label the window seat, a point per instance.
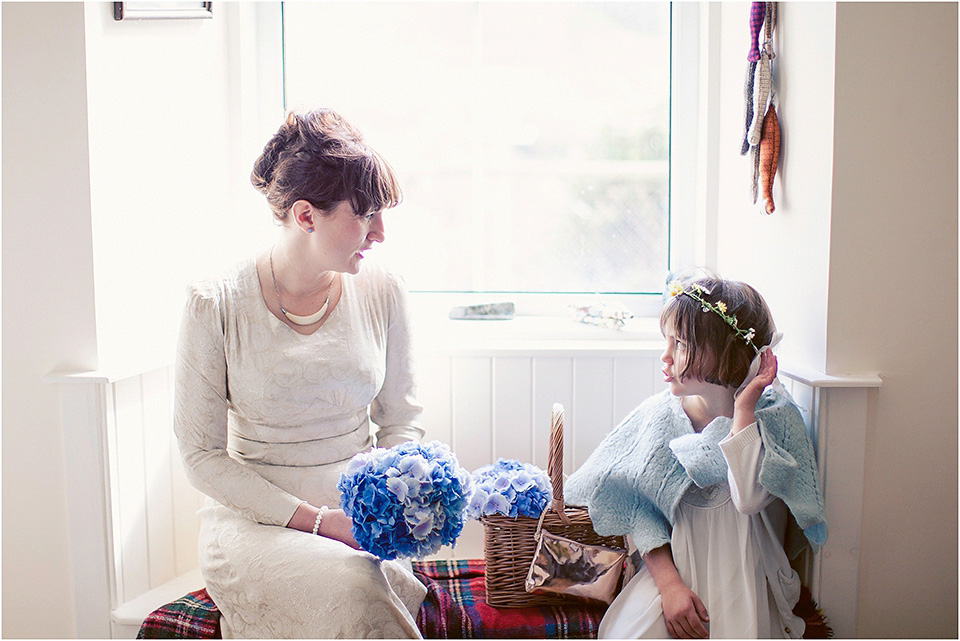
(454, 608)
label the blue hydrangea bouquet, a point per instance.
(510, 488)
(405, 501)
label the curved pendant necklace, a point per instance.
(293, 318)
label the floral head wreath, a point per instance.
(719, 308)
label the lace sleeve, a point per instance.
(200, 418)
(395, 409)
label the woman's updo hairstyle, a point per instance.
(715, 353)
(319, 157)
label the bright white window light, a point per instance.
(531, 139)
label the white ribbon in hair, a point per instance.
(755, 363)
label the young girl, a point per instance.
(709, 479)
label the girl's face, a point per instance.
(674, 360)
(342, 237)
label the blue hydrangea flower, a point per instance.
(510, 488)
(406, 501)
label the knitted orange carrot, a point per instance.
(769, 157)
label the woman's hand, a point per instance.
(334, 525)
(683, 612)
(746, 401)
(337, 525)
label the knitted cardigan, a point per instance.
(634, 480)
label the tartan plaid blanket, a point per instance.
(454, 608)
(193, 616)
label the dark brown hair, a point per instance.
(319, 157)
(715, 353)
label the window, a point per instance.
(531, 139)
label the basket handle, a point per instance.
(555, 462)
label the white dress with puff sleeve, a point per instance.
(266, 418)
(727, 545)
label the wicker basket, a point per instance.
(509, 544)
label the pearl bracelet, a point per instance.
(316, 524)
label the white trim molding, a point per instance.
(132, 515)
(838, 410)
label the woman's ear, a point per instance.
(303, 213)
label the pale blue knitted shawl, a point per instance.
(633, 481)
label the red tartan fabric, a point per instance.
(193, 616)
(455, 608)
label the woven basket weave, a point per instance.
(509, 544)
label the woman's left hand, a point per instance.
(337, 525)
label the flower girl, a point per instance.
(713, 480)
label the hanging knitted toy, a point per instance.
(763, 82)
(757, 13)
(763, 132)
(769, 156)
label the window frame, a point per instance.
(691, 204)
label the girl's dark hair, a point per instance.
(319, 157)
(714, 351)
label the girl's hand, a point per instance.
(765, 375)
(746, 401)
(684, 612)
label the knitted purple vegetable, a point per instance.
(758, 11)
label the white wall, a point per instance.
(48, 310)
(859, 263)
(784, 255)
(126, 151)
(171, 198)
(892, 300)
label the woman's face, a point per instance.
(342, 237)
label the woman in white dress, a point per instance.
(288, 366)
(712, 480)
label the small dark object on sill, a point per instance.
(490, 311)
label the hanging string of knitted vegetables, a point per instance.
(762, 128)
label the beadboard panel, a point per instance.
(137, 511)
(133, 515)
(472, 414)
(128, 449)
(512, 400)
(552, 383)
(499, 405)
(158, 491)
(157, 521)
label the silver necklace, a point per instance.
(293, 318)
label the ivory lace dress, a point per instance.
(266, 418)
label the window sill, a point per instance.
(531, 335)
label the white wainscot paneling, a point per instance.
(498, 398)
(837, 410)
(133, 515)
(497, 401)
